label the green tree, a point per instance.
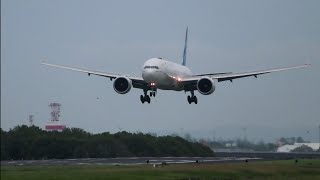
(23, 142)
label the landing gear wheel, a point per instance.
(195, 99)
(153, 93)
(147, 98)
(192, 99)
(189, 99)
(142, 99)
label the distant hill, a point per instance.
(23, 142)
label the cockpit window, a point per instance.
(154, 67)
(151, 67)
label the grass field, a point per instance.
(304, 169)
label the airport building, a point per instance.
(289, 148)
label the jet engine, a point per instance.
(206, 86)
(122, 85)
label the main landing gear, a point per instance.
(146, 97)
(192, 98)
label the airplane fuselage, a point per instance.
(164, 74)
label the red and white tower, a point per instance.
(54, 123)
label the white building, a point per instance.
(288, 148)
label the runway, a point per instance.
(221, 157)
(126, 161)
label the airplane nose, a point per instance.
(148, 75)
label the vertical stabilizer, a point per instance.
(184, 56)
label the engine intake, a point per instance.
(206, 86)
(122, 85)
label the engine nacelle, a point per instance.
(122, 85)
(206, 86)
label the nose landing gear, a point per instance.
(192, 98)
(153, 93)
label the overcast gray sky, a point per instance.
(118, 36)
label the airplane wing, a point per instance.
(137, 82)
(231, 76)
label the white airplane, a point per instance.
(161, 74)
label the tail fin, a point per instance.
(184, 56)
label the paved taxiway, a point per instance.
(127, 161)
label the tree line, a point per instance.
(23, 142)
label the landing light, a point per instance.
(177, 78)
